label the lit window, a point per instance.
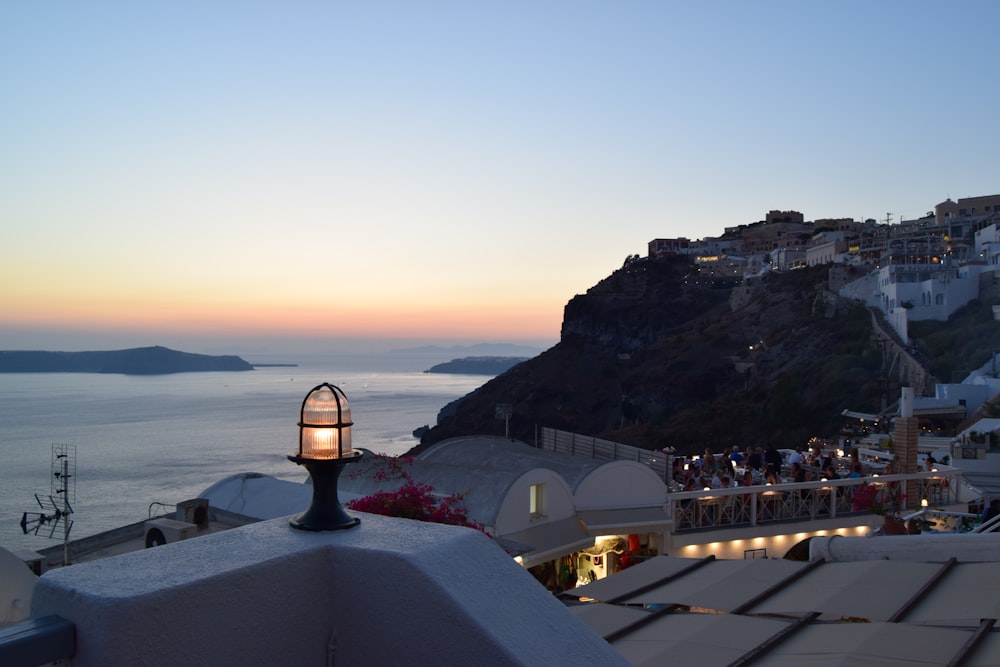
(536, 501)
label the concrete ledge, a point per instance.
(924, 548)
(390, 591)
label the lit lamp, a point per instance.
(324, 449)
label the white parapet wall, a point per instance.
(388, 592)
(923, 548)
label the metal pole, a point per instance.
(65, 490)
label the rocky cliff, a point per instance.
(657, 355)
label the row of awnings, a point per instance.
(780, 612)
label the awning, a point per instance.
(632, 578)
(624, 521)
(796, 613)
(870, 590)
(721, 639)
(853, 414)
(960, 601)
(876, 453)
(723, 585)
(550, 540)
(684, 639)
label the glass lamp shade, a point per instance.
(325, 424)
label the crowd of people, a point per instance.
(759, 465)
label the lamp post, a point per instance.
(324, 449)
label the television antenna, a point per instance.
(57, 508)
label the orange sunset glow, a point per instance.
(433, 172)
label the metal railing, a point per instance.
(743, 506)
(37, 641)
(587, 446)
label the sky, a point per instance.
(202, 174)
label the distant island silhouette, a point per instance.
(477, 365)
(155, 360)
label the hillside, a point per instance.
(137, 361)
(654, 355)
(955, 348)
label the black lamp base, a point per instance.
(325, 512)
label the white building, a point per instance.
(825, 248)
(538, 504)
(926, 278)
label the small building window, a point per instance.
(536, 501)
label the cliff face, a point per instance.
(655, 356)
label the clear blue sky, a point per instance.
(446, 170)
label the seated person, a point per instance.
(736, 456)
(771, 476)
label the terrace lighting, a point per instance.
(324, 449)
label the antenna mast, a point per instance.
(57, 506)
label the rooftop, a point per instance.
(781, 612)
(390, 591)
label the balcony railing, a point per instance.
(757, 505)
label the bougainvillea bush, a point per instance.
(412, 500)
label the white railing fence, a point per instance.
(774, 503)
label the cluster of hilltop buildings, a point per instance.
(915, 270)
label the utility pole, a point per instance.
(504, 411)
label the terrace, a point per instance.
(760, 505)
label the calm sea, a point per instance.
(145, 439)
